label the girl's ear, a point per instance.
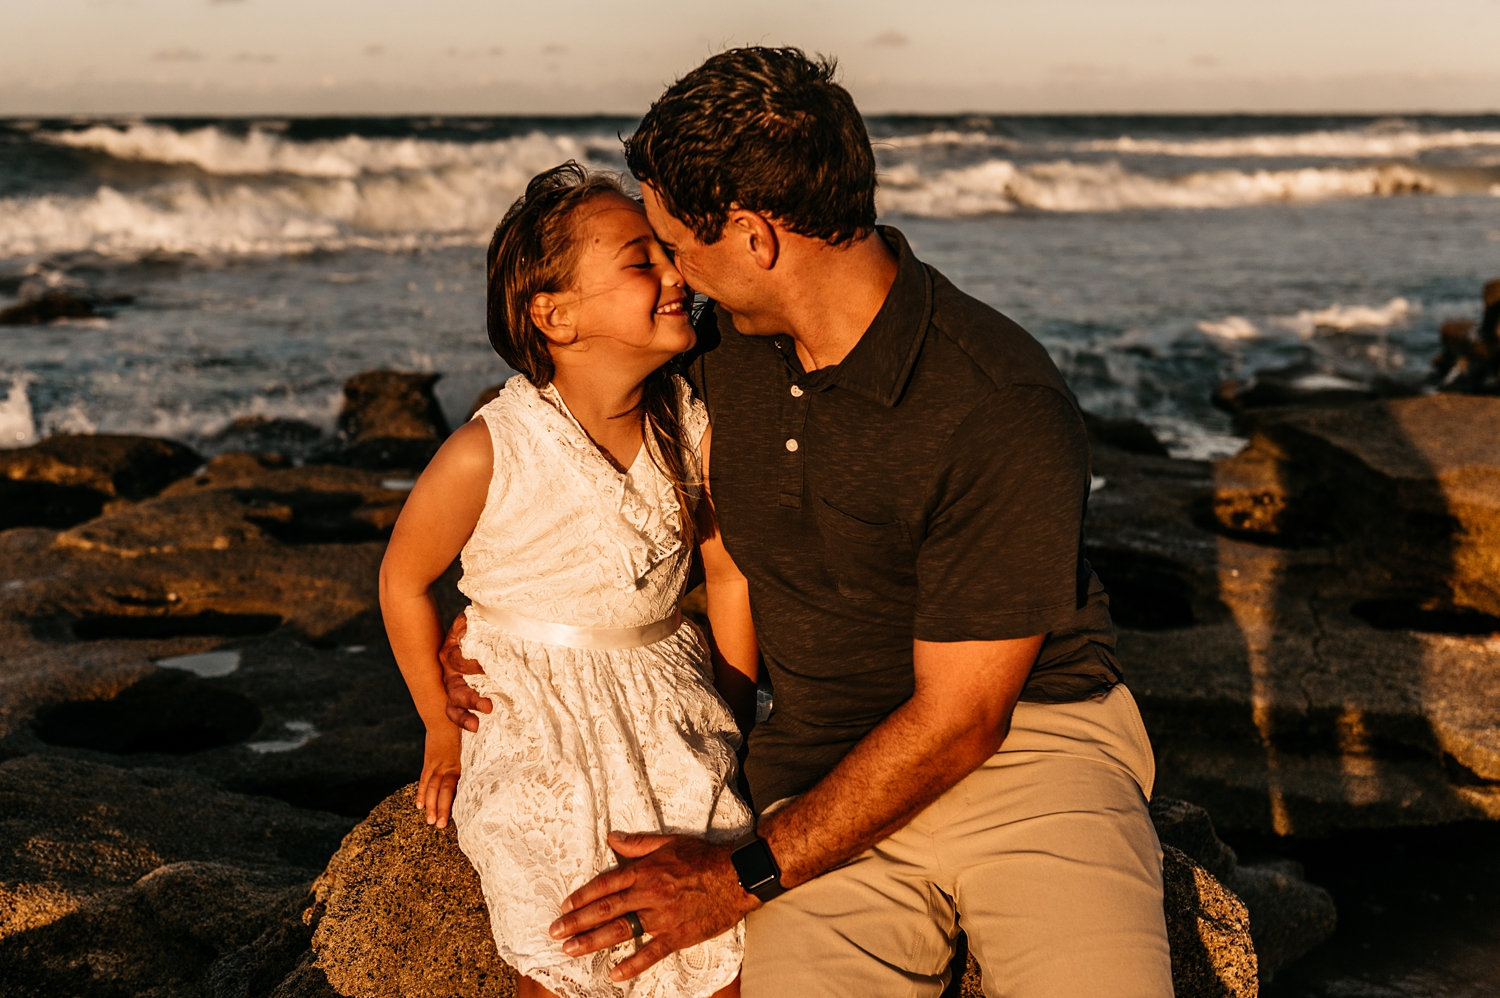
(551, 315)
(756, 234)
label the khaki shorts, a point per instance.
(1045, 856)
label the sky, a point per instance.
(214, 57)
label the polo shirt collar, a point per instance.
(881, 363)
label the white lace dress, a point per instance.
(582, 742)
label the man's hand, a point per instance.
(683, 889)
(462, 700)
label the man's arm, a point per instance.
(685, 890)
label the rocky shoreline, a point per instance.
(205, 746)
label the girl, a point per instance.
(573, 496)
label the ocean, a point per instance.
(267, 260)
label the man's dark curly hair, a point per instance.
(764, 129)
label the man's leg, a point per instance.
(875, 927)
(1055, 865)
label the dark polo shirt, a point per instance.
(931, 486)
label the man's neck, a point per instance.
(842, 292)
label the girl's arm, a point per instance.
(732, 644)
(436, 521)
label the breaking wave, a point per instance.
(317, 202)
(1309, 323)
(1371, 143)
(999, 185)
(263, 150)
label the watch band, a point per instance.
(756, 867)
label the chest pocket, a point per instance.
(866, 560)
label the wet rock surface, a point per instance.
(148, 881)
(1309, 627)
(1313, 626)
(51, 306)
(67, 479)
(390, 419)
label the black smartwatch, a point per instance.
(756, 868)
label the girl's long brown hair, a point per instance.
(534, 251)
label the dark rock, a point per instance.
(54, 305)
(294, 439)
(71, 828)
(390, 419)
(1208, 929)
(1288, 916)
(1310, 626)
(149, 882)
(1304, 385)
(399, 912)
(1414, 482)
(1469, 360)
(314, 713)
(68, 478)
(1130, 435)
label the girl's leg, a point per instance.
(528, 988)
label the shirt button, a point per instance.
(796, 391)
(792, 445)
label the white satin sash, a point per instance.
(593, 638)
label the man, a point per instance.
(901, 475)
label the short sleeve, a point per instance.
(1001, 554)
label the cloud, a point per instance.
(215, 3)
(1206, 62)
(554, 49)
(176, 53)
(375, 50)
(475, 53)
(891, 39)
(260, 57)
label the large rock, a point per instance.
(399, 914)
(293, 439)
(1310, 626)
(1288, 916)
(1415, 483)
(67, 479)
(390, 419)
(50, 306)
(149, 882)
(228, 627)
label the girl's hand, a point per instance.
(439, 780)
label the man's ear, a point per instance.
(551, 315)
(757, 234)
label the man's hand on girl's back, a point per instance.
(462, 700)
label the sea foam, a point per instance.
(1000, 185)
(1367, 143)
(17, 424)
(1351, 318)
(265, 151)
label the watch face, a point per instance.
(757, 869)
